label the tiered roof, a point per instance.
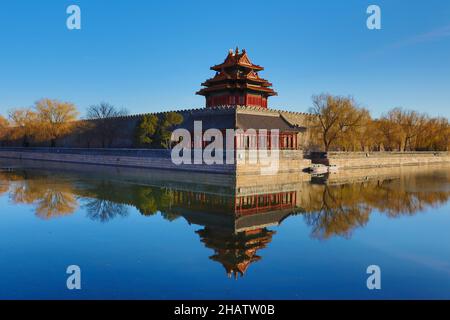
(236, 252)
(239, 73)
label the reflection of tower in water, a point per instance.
(235, 251)
(235, 218)
(234, 213)
(236, 227)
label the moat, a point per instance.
(145, 234)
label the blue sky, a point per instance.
(153, 55)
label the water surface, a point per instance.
(142, 234)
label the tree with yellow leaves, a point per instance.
(338, 120)
(409, 130)
(55, 119)
(23, 125)
(4, 128)
(342, 125)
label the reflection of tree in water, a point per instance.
(51, 197)
(150, 201)
(4, 183)
(104, 210)
(107, 200)
(146, 201)
(396, 197)
(7, 178)
(329, 209)
(103, 200)
(99, 203)
(55, 202)
(339, 209)
(336, 213)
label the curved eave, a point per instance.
(215, 81)
(224, 87)
(222, 66)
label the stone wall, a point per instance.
(207, 182)
(290, 161)
(357, 175)
(306, 120)
(281, 182)
(123, 129)
(349, 160)
(137, 158)
(300, 119)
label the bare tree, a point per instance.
(340, 124)
(105, 128)
(338, 118)
(407, 126)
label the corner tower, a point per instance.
(237, 82)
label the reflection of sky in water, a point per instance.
(137, 238)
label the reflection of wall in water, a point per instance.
(234, 205)
(236, 218)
